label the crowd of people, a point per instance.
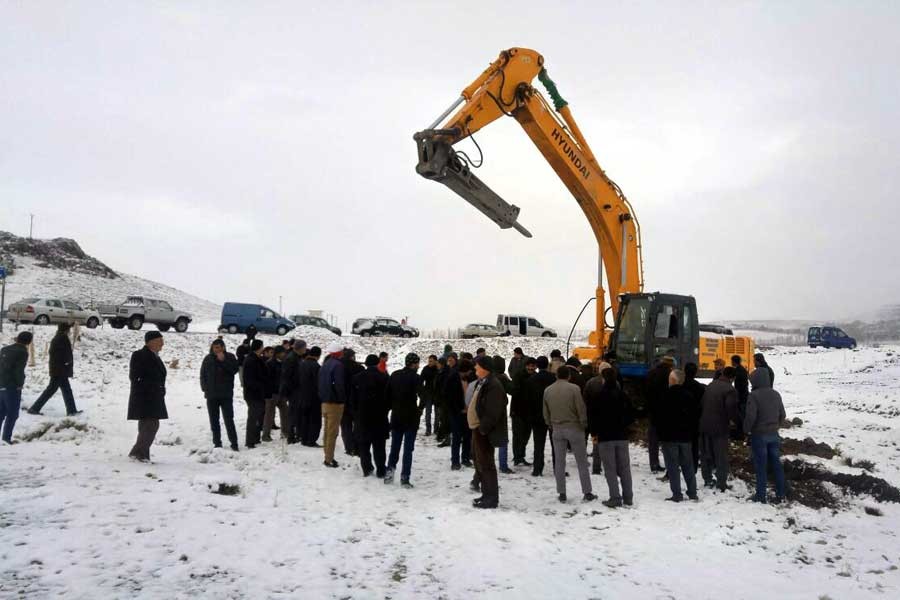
(584, 409)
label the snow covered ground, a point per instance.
(78, 519)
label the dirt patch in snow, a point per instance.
(808, 446)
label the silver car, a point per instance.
(478, 330)
(44, 311)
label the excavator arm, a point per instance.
(504, 89)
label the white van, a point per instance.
(522, 325)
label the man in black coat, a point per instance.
(535, 387)
(308, 393)
(255, 393)
(289, 389)
(274, 399)
(742, 386)
(677, 426)
(147, 401)
(426, 392)
(486, 417)
(368, 395)
(402, 392)
(61, 369)
(348, 420)
(520, 412)
(696, 390)
(13, 359)
(609, 415)
(217, 382)
(657, 384)
(718, 410)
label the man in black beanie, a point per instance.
(369, 401)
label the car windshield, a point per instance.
(630, 346)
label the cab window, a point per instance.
(70, 305)
(666, 322)
(54, 303)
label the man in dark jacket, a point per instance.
(369, 399)
(13, 359)
(677, 426)
(61, 369)
(217, 382)
(718, 410)
(308, 393)
(402, 392)
(765, 413)
(289, 389)
(520, 413)
(333, 395)
(426, 392)
(517, 363)
(274, 399)
(244, 349)
(486, 417)
(445, 420)
(742, 385)
(348, 420)
(255, 383)
(454, 397)
(499, 372)
(696, 390)
(609, 415)
(147, 401)
(657, 384)
(535, 386)
(759, 362)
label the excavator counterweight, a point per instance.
(439, 162)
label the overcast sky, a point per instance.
(242, 151)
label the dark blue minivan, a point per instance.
(237, 317)
(829, 337)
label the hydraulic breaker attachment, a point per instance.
(439, 162)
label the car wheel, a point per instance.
(813, 346)
(281, 330)
(135, 322)
(42, 320)
(365, 334)
(853, 346)
(181, 325)
(163, 326)
(546, 334)
(406, 334)
(826, 345)
(92, 323)
(232, 329)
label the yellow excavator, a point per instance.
(647, 326)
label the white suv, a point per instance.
(522, 325)
(44, 311)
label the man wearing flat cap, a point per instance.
(147, 401)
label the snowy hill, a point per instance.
(59, 268)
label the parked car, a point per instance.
(478, 330)
(137, 310)
(522, 325)
(44, 311)
(383, 326)
(829, 337)
(314, 322)
(238, 316)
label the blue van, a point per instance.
(829, 337)
(237, 317)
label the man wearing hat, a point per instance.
(147, 401)
(13, 359)
(402, 393)
(333, 396)
(486, 417)
(367, 397)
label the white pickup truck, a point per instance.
(137, 310)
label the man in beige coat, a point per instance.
(566, 415)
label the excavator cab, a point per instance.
(650, 326)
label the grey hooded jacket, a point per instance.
(765, 410)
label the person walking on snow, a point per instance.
(402, 393)
(61, 370)
(13, 359)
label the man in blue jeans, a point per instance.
(402, 394)
(13, 359)
(765, 412)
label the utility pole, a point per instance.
(31, 227)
